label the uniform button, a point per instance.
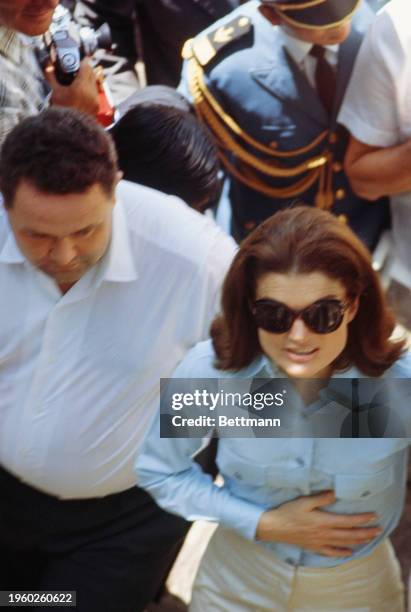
(249, 225)
(343, 218)
(333, 138)
(366, 494)
(244, 21)
(337, 166)
(238, 475)
(340, 194)
(300, 461)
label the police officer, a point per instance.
(268, 80)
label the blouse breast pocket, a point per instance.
(240, 469)
(242, 477)
(263, 482)
(363, 486)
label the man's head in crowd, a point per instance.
(321, 22)
(31, 17)
(161, 144)
(58, 173)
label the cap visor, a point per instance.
(327, 15)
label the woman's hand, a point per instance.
(303, 523)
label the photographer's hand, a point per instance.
(303, 523)
(82, 94)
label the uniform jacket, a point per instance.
(257, 84)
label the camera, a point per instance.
(66, 43)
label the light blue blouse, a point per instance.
(367, 475)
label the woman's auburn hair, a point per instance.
(303, 240)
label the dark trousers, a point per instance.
(114, 551)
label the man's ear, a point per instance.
(270, 13)
(119, 176)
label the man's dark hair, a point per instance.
(161, 144)
(59, 151)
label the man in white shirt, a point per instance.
(103, 291)
(377, 112)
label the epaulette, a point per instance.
(206, 46)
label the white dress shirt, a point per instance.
(377, 109)
(300, 52)
(80, 372)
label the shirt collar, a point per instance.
(262, 368)
(299, 49)
(266, 369)
(10, 252)
(12, 44)
(117, 264)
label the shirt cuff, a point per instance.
(242, 516)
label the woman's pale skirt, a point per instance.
(236, 575)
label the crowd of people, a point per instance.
(294, 118)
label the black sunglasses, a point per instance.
(321, 317)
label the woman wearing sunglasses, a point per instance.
(303, 522)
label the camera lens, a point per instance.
(68, 61)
